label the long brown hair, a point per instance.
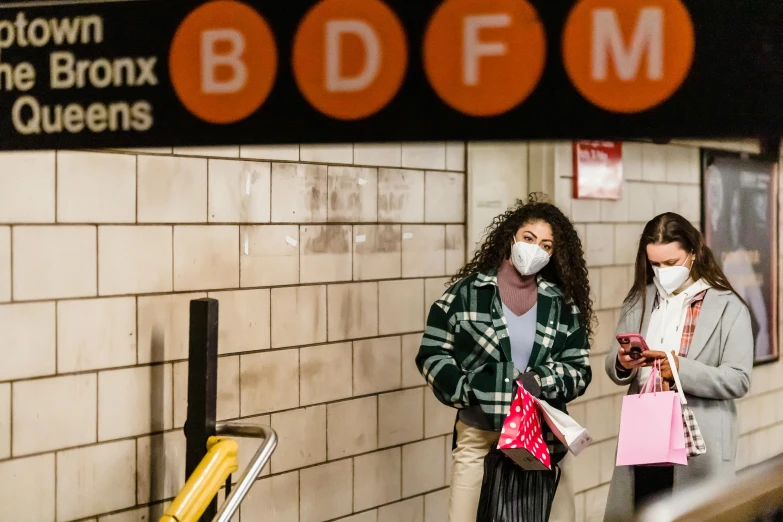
(673, 228)
(567, 268)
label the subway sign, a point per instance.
(139, 73)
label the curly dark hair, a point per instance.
(567, 268)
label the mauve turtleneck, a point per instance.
(519, 293)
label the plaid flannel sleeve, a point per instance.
(567, 373)
(435, 359)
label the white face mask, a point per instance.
(673, 277)
(528, 258)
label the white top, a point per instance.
(664, 333)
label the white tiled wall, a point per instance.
(659, 178)
(324, 260)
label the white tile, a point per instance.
(455, 156)
(27, 187)
(245, 317)
(55, 413)
(299, 193)
(325, 373)
(5, 264)
(270, 152)
(400, 417)
(438, 418)
(653, 162)
(302, 438)
(377, 252)
(601, 421)
(96, 333)
(436, 506)
(444, 197)
(226, 151)
(455, 248)
(54, 262)
(600, 245)
(28, 340)
(28, 493)
(595, 504)
(228, 388)
(326, 491)
(375, 365)
(564, 195)
(107, 480)
(683, 165)
(690, 202)
(5, 421)
(400, 196)
(586, 470)
(642, 202)
(585, 210)
(367, 516)
(433, 290)
(616, 283)
(410, 373)
(411, 510)
(352, 311)
(269, 255)
(666, 198)
(96, 187)
(626, 243)
(134, 259)
(401, 306)
(616, 211)
(326, 153)
(298, 316)
(239, 191)
(378, 154)
(352, 427)
(424, 155)
(423, 250)
(423, 467)
(134, 401)
(164, 322)
(325, 253)
(353, 194)
(377, 479)
(275, 499)
(632, 161)
(206, 257)
(269, 381)
(160, 466)
(172, 189)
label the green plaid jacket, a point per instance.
(465, 354)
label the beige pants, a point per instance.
(467, 473)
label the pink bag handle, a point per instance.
(651, 380)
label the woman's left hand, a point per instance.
(666, 371)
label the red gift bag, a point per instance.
(522, 438)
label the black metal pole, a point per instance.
(202, 386)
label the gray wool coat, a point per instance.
(715, 374)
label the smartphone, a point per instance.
(634, 344)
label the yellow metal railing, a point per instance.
(215, 468)
(209, 476)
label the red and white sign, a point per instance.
(598, 169)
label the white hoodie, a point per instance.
(665, 333)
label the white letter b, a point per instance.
(210, 61)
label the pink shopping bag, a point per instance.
(522, 438)
(651, 427)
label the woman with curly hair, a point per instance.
(518, 314)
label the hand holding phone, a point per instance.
(632, 345)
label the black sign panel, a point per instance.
(159, 73)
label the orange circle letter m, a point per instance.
(223, 61)
(626, 56)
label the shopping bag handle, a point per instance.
(676, 375)
(651, 380)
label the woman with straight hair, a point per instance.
(682, 303)
(518, 314)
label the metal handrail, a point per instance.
(753, 496)
(251, 473)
